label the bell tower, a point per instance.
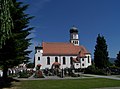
(74, 36)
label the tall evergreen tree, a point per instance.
(101, 58)
(6, 23)
(117, 62)
(15, 50)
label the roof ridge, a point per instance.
(55, 42)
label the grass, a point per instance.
(69, 84)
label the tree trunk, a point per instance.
(5, 70)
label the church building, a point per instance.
(63, 54)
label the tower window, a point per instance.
(39, 58)
(64, 61)
(48, 60)
(73, 42)
(56, 59)
(76, 42)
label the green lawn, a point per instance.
(69, 84)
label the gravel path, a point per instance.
(102, 76)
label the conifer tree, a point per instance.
(101, 58)
(15, 50)
(117, 62)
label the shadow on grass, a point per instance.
(7, 82)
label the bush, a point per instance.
(114, 70)
(24, 74)
(93, 70)
(39, 74)
(75, 75)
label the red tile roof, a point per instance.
(57, 48)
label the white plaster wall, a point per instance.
(77, 65)
(43, 61)
(38, 54)
(90, 60)
(85, 62)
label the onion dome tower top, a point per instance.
(73, 29)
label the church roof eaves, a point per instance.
(61, 49)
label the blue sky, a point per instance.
(54, 18)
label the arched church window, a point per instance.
(48, 60)
(88, 59)
(56, 59)
(71, 60)
(82, 59)
(39, 58)
(64, 61)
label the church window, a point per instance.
(39, 58)
(82, 59)
(64, 61)
(88, 59)
(56, 59)
(48, 60)
(83, 64)
(71, 60)
(77, 59)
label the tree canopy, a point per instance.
(117, 62)
(101, 58)
(15, 50)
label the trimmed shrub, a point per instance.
(39, 74)
(93, 70)
(24, 74)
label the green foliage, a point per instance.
(6, 22)
(101, 58)
(30, 65)
(114, 70)
(15, 50)
(38, 74)
(117, 62)
(24, 74)
(93, 70)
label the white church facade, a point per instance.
(63, 55)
